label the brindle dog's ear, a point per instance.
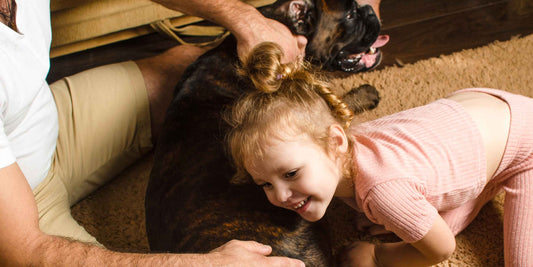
(298, 15)
(364, 97)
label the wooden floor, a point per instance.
(418, 29)
(427, 28)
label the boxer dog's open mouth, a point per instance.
(349, 61)
(350, 41)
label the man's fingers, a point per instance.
(298, 53)
(253, 254)
(253, 246)
(302, 42)
(259, 248)
(285, 262)
(265, 250)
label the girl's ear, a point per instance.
(338, 139)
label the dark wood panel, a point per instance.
(446, 34)
(397, 13)
(418, 28)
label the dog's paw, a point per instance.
(364, 97)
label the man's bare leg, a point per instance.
(161, 73)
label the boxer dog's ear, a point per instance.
(298, 15)
(296, 11)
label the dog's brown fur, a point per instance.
(190, 204)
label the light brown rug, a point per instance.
(115, 213)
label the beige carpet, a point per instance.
(115, 213)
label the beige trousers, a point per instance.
(104, 126)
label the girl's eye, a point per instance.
(266, 186)
(291, 174)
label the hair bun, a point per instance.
(263, 66)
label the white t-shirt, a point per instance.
(28, 115)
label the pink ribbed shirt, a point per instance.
(417, 163)
(430, 160)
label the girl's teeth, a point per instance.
(300, 204)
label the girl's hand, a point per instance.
(364, 225)
(359, 254)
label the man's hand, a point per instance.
(248, 25)
(249, 253)
(268, 30)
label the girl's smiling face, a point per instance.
(297, 174)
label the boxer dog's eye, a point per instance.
(350, 16)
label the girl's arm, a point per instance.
(436, 246)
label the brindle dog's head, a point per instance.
(342, 35)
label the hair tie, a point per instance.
(279, 76)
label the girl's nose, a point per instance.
(283, 194)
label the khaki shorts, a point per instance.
(104, 126)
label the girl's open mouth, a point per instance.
(302, 205)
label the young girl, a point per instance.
(423, 173)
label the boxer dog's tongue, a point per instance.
(369, 57)
(381, 41)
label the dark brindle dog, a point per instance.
(191, 206)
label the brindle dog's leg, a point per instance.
(364, 97)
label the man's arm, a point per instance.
(248, 25)
(22, 243)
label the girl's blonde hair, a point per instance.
(290, 99)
